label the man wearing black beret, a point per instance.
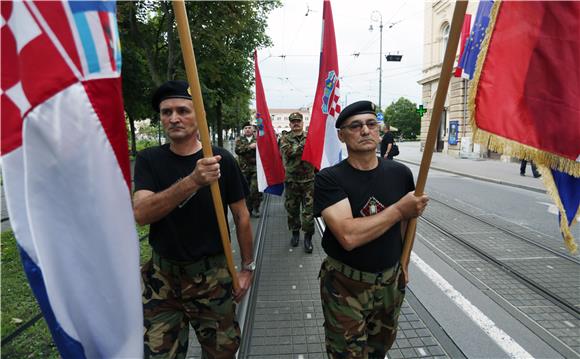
(366, 202)
(187, 282)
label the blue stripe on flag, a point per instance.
(473, 45)
(83, 6)
(67, 346)
(569, 191)
(88, 43)
(117, 45)
(276, 189)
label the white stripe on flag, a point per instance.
(262, 181)
(331, 153)
(101, 45)
(77, 209)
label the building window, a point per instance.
(444, 38)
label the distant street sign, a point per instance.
(394, 57)
(380, 116)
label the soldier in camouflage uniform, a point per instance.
(365, 202)
(246, 151)
(299, 183)
(186, 282)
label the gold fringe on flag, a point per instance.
(553, 192)
(544, 160)
(505, 145)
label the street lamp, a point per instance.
(377, 16)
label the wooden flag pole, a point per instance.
(444, 78)
(193, 79)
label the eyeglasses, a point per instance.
(356, 126)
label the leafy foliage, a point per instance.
(403, 115)
(224, 35)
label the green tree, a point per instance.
(224, 36)
(403, 116)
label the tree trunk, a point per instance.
(151, 64)
(133, 140)
(219, 124)
(170, 42)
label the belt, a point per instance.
(387, 276)
(189, 268)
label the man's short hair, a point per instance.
(170, 89)
(295, 116)
(246, 124)
(355, 108)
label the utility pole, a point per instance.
(380, 19)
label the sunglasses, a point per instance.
(356, 126)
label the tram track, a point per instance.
(559, 262)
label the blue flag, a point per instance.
(566, 193)
(473, 45)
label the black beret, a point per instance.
(170, 89)
(355, 108)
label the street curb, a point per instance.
(486, 179)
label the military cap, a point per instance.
(295, 116)
(170, 89)
(246, 124)
(355, 108)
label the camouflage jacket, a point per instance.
(246, 155)
(291, 148)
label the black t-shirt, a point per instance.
(368, 192)
(190, 232)
(387, 138)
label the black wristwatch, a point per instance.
(250, 267)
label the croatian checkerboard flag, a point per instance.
(323, 147)
(66, 173)
(269, 167)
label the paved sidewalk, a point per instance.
(507, 173)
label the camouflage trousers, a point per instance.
(255, 198)
(361, 309)
(299, 205)
(177, 295)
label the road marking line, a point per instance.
(525, 258)
(569, 324)
(501, 338)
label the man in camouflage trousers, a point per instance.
(366, 202)
(246, 151)
(299, 183)
(186, 282)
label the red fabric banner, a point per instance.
(529, 85)
(464, 36)
(322, 147)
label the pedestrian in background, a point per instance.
(365, 202)
(186, 282)
(298, 184)
(387, 143)
(245, 148)
(523, 165)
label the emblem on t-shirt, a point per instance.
(373, 206)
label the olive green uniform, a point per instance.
(299, 183)
(247, 161)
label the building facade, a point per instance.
(280, 117)
(454, 135)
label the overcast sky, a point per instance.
(290, 67)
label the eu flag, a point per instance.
(473, 45)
